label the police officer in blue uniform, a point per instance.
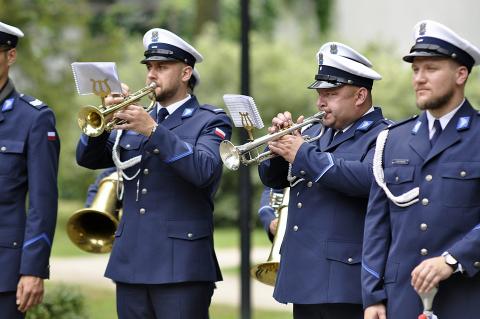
(423, 223)
(28, 164)
(329, 182)
(163, 260)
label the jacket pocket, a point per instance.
(460, 184)
(188, 230)
(11, 157)
(344, 252)
(398, 175)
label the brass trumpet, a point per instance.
(267, 272)
(92, 229)
(233, 155)
(91, 119)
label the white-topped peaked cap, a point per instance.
(163, 45)
(9, 35)
(335, 70)
(435, 39)
(345, 51)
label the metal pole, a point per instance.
(245, 180)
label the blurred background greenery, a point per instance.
(59, 32)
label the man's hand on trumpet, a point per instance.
(137, 119)
(287, 146)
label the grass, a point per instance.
(63, 247)
(100, 304)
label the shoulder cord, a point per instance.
(121, 166)
(404, 200)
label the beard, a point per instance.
(436, 103)
(167, 94)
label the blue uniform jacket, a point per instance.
(266, 213)
(166, 233)
(446, 217)
(321, 250)
(29, 153)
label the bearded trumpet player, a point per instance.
(329, 182)
(163, 254)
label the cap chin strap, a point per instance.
(121, 166)
(404, 200)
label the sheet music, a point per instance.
(96, 77)
(242, 104)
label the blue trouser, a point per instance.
(8, 306)
(166, 301)
(328, 311)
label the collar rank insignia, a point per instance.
(187, 112)
(7, 105)
(416, 127)
(463, 123)
(333, 48)
(364, 126)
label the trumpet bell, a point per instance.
(91, 120)
(92, 230)
(230, 155)
(266, 272)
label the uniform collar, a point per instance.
(6, 91)
(444, 119)
(174, 106)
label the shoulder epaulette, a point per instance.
(212, 108)
(393, 125)
(36, 103)
(388, 122)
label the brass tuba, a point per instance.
(92, 229)
(91, 119)
(267, 272)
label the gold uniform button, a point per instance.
(156, 151)
(309, 184)
(350, 260)
(423, 251)
(3, 149)
(142, 211)
(425, 201)
(463, 173)
(145, 171)
(299, 205)
(428, 178)
(189, 235)
(476, 264)
(423, 226)
(295, 228)
(144, 191)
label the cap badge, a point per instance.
(320, 59)
(155, 36)
(333, 48)
(423, 28)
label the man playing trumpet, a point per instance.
(329, 182)
(163, 261)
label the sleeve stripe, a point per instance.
(370, 271)
(477, 227)
(37, 238)
(266, 207)
(181, 155)
(330, 165)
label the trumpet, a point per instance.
(233, 155)
(91, 119)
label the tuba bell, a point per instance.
(92, 229)
(267, 272)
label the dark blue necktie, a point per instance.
(438, 131)
(335, 135)
(162, 114)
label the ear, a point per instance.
(11, 56)
(361, 96)
(187, 73)
(461, 75)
